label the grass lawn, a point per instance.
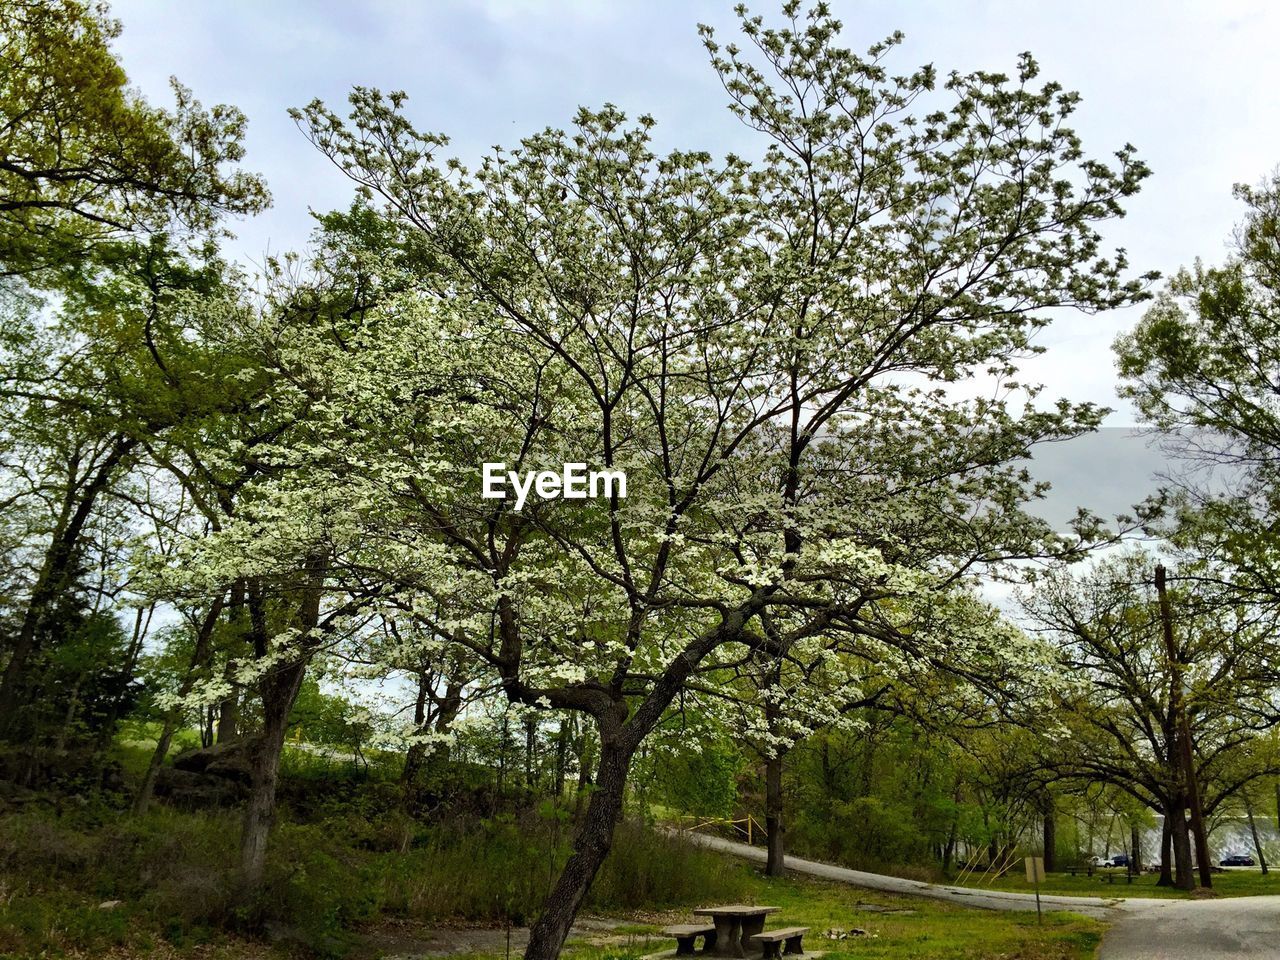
(1242, 882)
(63, 924)
(925, 930)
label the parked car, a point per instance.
(1119, 860)
(1237, 860)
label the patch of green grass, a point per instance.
(1232, 883)
(932, 930)
(923, 930)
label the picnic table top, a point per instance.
(734, 910)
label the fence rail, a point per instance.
(747, 825)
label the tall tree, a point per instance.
(1118, 717)
(95, 185)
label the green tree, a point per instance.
(100, 197)
(84, 159)
(1117, 724)
(1201, 368)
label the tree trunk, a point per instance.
(586, 760)
(949, 848)
(562, 759)
(1184, 877)
(775, 866)
(198, 657)
(1253, 829)
(69, 715)
(413, 758)
(141, 624)
(590, 847)
(1166, 851)
(530, 749)
(229, 712)
(1135, 858)
(145, 792)
(279, 691)
(1050, 836)
(1183, 740)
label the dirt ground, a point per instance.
(409, 942)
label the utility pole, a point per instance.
(1178, 706)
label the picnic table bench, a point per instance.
(687, 934)
(770, 939)
(1104, 873)
(1111, 875)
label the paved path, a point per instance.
(965, 896)
(1141, 928)
(1197, 930)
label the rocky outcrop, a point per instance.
(232, 761)
(216, 776)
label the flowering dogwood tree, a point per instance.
(764, 348)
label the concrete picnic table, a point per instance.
(735, 923)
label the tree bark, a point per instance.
(562, 760)
(775, 866)
(1178, 714)
(425, 765)
(229, 714)
(530, 750)
(949, 848)
(1184, 877)
(1050, 836)
(1253, 829)
(590, 847)
(1166, 851)
(413, 758)
(586, 760)
(279, 691)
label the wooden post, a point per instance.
(1035, 873)
(1178, 707)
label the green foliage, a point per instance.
(702, 781)
(328, 719)
(168, 868)
(1200, 367)
(86, 158)
(81, 681)
(883, 798)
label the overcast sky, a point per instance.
(1194, 85)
